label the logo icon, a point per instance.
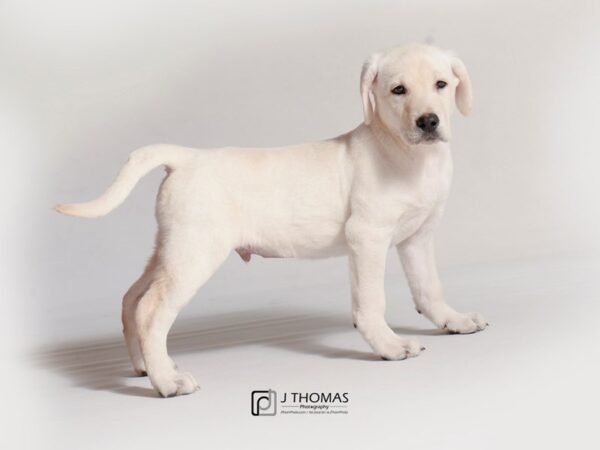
(264, 403)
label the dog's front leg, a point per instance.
(418, 259)
(367, 268)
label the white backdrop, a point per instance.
(85, 83)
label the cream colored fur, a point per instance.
(378, 186)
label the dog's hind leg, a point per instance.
(130, 303)
(184, 264)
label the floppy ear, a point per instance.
(367, 78)
(464, 93)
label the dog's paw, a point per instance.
(384, 342)
(175, 384)
(395, 348)
(466, 323)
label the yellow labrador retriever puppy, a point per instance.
(380, 185)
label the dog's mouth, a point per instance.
(417, 138)
(430, 137)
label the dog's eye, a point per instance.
(441, 84)
(399, 90)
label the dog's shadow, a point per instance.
(104, 365)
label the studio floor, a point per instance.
(528, 381)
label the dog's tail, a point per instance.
(140, 162)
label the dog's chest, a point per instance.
(419, 198)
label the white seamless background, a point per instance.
(85, 83)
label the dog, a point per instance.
(383, 184)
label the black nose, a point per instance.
(428, 122)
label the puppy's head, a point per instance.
(414, 89)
